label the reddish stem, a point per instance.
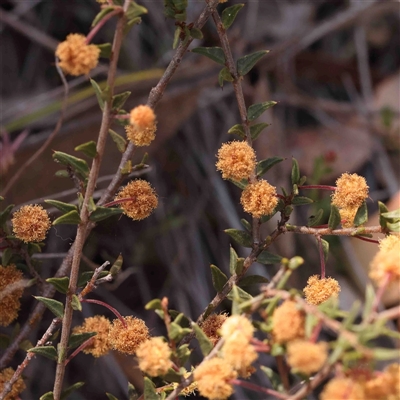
(366, 239)
(79, 349)
(315, 332)
(381, 290)
(321, 256)
(322, 187)
(257, 388)
(93, 32)
(280, 196)
(119, 201)
(112, 309)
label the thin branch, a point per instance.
(306, 230)
(91, 285)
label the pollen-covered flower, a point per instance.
(31, 223)
(10, 303)
(343, 389)
(306, 357)
(154, 356)
(127, 340)
(77, 57)
(101, 325)
(143, 199)
(385, 385)
(351, 191)
(211, 326)
(239, 353)
(212, 377)
(287, 322)
(259, 198)
(347, 216)
(387, 260)
(140, 137)
(18, 387)
(319, 290)
(237, 324)
(187, 391)
(236, 160)
(142, 117)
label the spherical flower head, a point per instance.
(18, 387)
(259, 198)
(211, 326)
(154, 356)
(76, 57)
(236, 160)
(143, 199)
(212, 377)
(10, 303)
(127, 339)
(140, 137)
(239, 353)
(287, 322)
(386, 261)
(319, 290)
(142, 117)
(101, 325)
(343, 389)
(385, 385)
(237, 324)
(351, 191)
(306, 357)
(31, 223)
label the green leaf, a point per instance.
(176, 332)
(229, 15)
(301, 201)
(119, 100)
(256, 129)
(264, 165)
(273, 377)
(70, 389)
(105, 50)
(239, 295)
(172, 376)
(325, 248)
(255, 110)
(61, 284)
(196, 33)
(45, 351)
(132, 392)
(4, 215)
(214, 53)
(177, 36)
(64, 207)
(382, 209)
(369, 301)
(76, 339)
(246, 63)
(269, 258)
(183, 353)
(232, 260)
(253, 280)
(85, 277)
(241, 237)
(218, 278)
(361, 215)
(54, 306)
(237, 130)
(224, 75)
(149, 390)
(128, 26)
(99, 93)
(70, 218)
(6, 257)
(205, 344)
(315, 220)
(104, 212)
(76, 163)
(135, 10)
(75, 303)
(88, 148)
(394, 227)
(47, 396)
(118, 140)
(246, 224)
(380, 353)
(101, 15)
(154, 304)
(295, 172)
(395, 214)
(295, 262)
(117, 265)
(110, 396)
(334, 217)
(180, 319)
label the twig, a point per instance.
(79, 349)
(112, 309)
(12, 287)
(257, 388)
(91, 285)
(321, 255)
(46, 144)
(391, 313)
(334, 232)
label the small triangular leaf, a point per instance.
(269, 258)
(64, 207)
(395, 214)
(246, 63)
(99, 93)
(224, 75)
(301, 201)
(264, 165)
(214, 53)
(70, 218)
(75, 303)
(47, 396)
(315, 220)
(118, 140)
(237, 130)
(334, 217)
(104, 212)
(253, 280)
(256, 129)
(361, 215)
(88, 148)
(205, 344)
(255, 110)
(69, 390)
(61, 284)
(76, 163)
(232, 260)
(45, 351)
(229, 15)
(119, 100)
(154, 304)
(105, 50)
(76, 339)
(149, 390)
(295, 172)
(101, 15)
(218, 278)
(56, 307)
(241, 237)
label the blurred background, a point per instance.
(333, 68)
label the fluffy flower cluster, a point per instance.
(143, 199)
(287, 322)
(128, 339)
(211, 326)
(319, 290)
(76, 57)
(259, 198)
(31, 223)
(351, 191)
(236, 160)
(10, 303)
(154, 356)
(307, 357)
(101, 325)
(213, 376)
(142, 130)
(341, 389)
(387, 260)
(17, 388)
